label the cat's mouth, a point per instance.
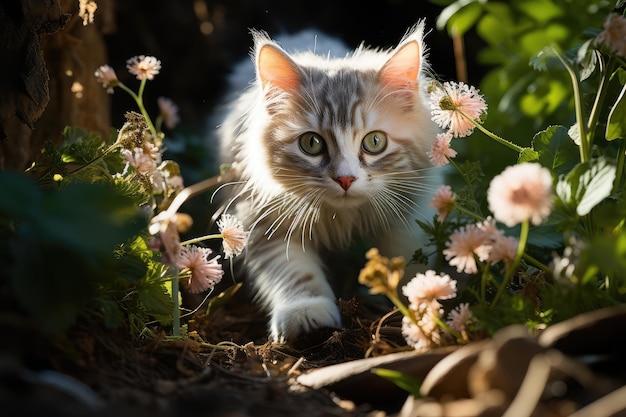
(342, 198)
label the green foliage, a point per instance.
(615, 128)
(73, 241)
(514, 32)
(137, 293)
(554, 149)
(407, 383)
(514, 309)
(585, 186)
(60, 245)
(78, 149)
(550, 75)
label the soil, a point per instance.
(223, 366)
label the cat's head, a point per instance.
(346, 130)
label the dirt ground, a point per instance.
(94, 371)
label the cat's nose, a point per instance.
(345, 182)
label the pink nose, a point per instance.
(345, 182)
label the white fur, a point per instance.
(292, 218)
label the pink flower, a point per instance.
(614, 34)
(169, 112)
(460, 317)
(489, 228)
(429, 286)
(455, 106)
(166, 237)
(503, 248)
(443, 201)
(464, 243)
(205, 273)
(233, 235)
(520, 193)
(153, 151)
(175, 181)
(107, 77)
(143, 163)
(423, 335)
(143, 67)
(441, 152)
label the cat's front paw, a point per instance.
(302, 315)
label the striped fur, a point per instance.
(294, 203)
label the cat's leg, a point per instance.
(291, 284)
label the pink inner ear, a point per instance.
(276, 69)
(402, 69)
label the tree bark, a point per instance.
(46, 79)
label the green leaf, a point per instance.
(155, 299)
(587, 59)
(464, 19)
(545, 236)
(80, 146)
(62, 249)
(541, 11)
(112, 314)
(545, 58)
(491, 29)
(21, 197)
(451, 12)
(556, 150)
(131, 267)
(401, 380)
(527, 155)
(608, 252)
(616, 124)
(586, 185)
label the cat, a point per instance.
(326, 150)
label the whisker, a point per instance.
(312, 214)
(299, 215)
(227, 184)
(381, 215)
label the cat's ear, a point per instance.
(276, 69)
(401, 71)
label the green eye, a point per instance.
(312, 144)
(374, 142)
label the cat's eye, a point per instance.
(374, 142)
(312, 144)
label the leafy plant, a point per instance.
(552, 243)
(513, 32)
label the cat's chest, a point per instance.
(325, 228)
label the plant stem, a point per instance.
(469, 213)
(483, 284)
(621, 154)
(523, 238)
(600, 95)
(403, 309)
(176, 312)
(139, 100)
(498, 139)
(534, 262)
(465, 178)
(447, 328)
(96, 159)
(189, 192)
(492, 135)
(220, 346)
(202, 238)
(585, 146)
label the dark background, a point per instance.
(195, 64)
